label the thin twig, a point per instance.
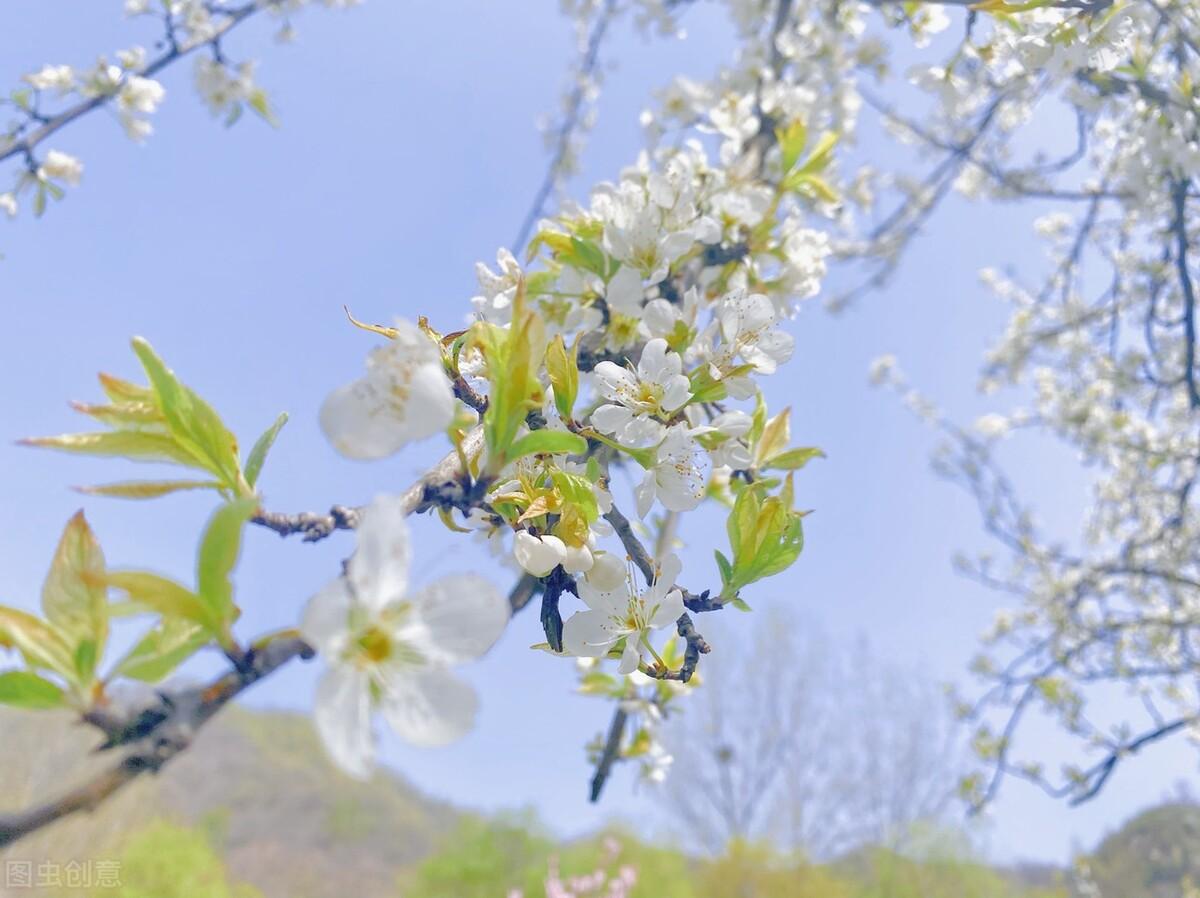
(562, 146)
(610, 753)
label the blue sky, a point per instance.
(407, 152)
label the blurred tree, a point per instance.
(754, 753)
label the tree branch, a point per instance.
(179, 716)
(562, 145)
(27, 144)
(608, 757)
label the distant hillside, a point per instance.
(258, 783)
(1154, 855)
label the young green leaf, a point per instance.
(23, 689)
(161, 595)
(74, 599)
(136, 445)
(563, 369)
(219, 550)
(258, 453)
(191, 420)
(40, 644)
(547, 442)
(794, 459)
(147, 489)
(162, 650)
(791, 143)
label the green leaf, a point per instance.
(119, 390)
(219, 551)
(514, 357)
(578, 491)
(133, 414)
(814, 188)
(162, 650)
(724, 566)
(818, 160)
(258, 453)
(563, 370)
(135, 445)
(794, 459)
(598, 683)
(40, 644)
(791, 143)
(261, 104)
(74, 599)
(587, 255)
(147, 489)
(766, 535)
(547, 442)
(161, 595)
(23, 689)
(192, 421)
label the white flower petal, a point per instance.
(657, 363)
(428, 707)
(631, 656)
(342, 715)
(379, 569)
(644, 493)
(326, 618)
(405, 396)
(612, 602)
(678, 392)
(614, 382)
(462, 617)
(659, 317)
(669, 569)
(578, 560)
(538, 555)
(586, 634)
(669, 611)
(611, 418)
(607, 572)
(625, 291)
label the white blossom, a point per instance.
(677, 477)
(405, 396)
(640, 400)
(59, 166)
(624, 613)
(388, 650)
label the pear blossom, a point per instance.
(639, 399)
(52, 77)
(139, 94)
(625, 292)
(624, 613)
(405, 396)
(8, 204)
(59, 166)
(388, 649)
(498, 289)
(221, 89)
(677, 476)
(745, 333)
(727, 448)
(607, 572)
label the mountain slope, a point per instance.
(258, 782)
